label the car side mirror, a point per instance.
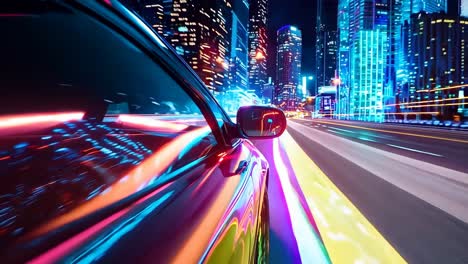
(261, 122)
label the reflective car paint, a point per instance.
(207, 213)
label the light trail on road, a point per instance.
(393, 132)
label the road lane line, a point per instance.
(415, 150)
(340, 129)
(367, 139)
(395, 132)
(308, 241)
(336, 132)
(348, 236)
(444, 188)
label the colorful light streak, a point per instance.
(429, 101)
(138, 178)
(34, 119)
(148, 122)
(441, 89)
(308, 242)
(430, 105)
(395, 132)
(348, 236)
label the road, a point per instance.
(370, 192)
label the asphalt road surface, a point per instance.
(410, 183)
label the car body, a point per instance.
(112, 150)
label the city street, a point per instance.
(368, 192)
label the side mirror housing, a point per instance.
(261, 122)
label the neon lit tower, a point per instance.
(238, 54)
(363, 49)
(258, 45)
(200, 35)
(288, 66)
(326, 50)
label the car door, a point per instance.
(109, 156)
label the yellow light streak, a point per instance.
(348, 236)
(421, 106)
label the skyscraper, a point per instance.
(157, 13)
(258, 56)
(343, 39)
(326, 50)
(200, 35)
(238, 54)
(288, 66)
(364, 40)
(437, 63)
(325, 60)
(403, 72)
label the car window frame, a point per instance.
(117, 17)
(192, 85)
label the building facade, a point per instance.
(238, 55)
(326, 57)
(200, 34)
(363, 53)
(437, 65)
(157, 13)
(288, 67)
(258, 11)
(326, 43)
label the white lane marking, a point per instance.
(415, 150)
(344, 130)
(333, 131)
(366, 139)
(442, 187)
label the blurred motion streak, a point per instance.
(394, 132)
(137, 179)
(189, 253)
(69, 245)
(33, 120)
(348, 236)
(311, 249)
(151, 123)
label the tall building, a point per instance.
(363, 51)
(438, 67)
(199, 30)
(326, 43)
(326, 57)
(403, 72)
(200, 34)
(344, 43)
(394, 77)
(258, 56)
(288, 66)
(157, 13)
(238, 55)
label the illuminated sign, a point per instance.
(327, 90)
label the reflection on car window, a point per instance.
(86, 119)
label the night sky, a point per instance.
(301, 13)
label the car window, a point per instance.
(86, 119)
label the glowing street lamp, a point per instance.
(336, 81)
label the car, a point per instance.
(112, 150)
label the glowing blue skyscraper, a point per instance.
(288, 67)
(363, 50)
